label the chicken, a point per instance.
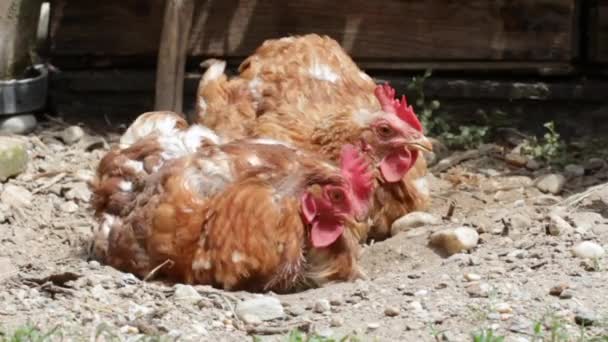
(307, 91)
(151, 140)
(252, 215)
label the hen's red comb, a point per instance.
(356, 169)
(386, 96)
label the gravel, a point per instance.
(501, 281)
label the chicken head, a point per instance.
(394, 135)
(326, 207)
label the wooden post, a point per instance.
(18, 26)
(172, 54)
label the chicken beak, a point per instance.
(421, 144)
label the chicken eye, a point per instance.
(385, 131)
(336, 195)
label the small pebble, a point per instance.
(68, 207)
(413, 325)
(585, 317)
(414, 220)
(17, 124)
(558, 226)
(421, 293)
(296, 310)
(520, 222)
(588, 250)
(516, 159)
(567, 294)
(72, 135)
(321, 306)
(129, 330)
(373, 326)
(16, 196)
(503, 308)
(472, 277)
(265, 307)
(336, 300)
(455, 240)
(478, 290)
(552, 183)
(251, 319)
(391, 311)
(186, 294)
(78, 191)
(558, 289)
(94, 264)
(493, 316)
(336, 321)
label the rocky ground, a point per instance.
(533, 269)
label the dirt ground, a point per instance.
(522, 277)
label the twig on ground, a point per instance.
(274, 330)
(50, 182)
(157, 268)
(451, 209)
(575, 199)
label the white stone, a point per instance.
(16, 196)
(414, 220)
(322, 305)
(552, 183)
(477, 289)
(588, 250)
(455, 240)
(72, 135)
(186, 294)
(18, 124)
(373, 326)
(79, 191)
(251, 319)
(472, 277)
(503, 308)
(558, 226)
(264, 307)
(68, 207)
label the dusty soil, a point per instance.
(413, 293)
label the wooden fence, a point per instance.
(110, 47)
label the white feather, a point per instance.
(125, 186)
(323, 72)
(135, 165)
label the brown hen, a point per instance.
(151, 140)
(251, 215)
(306, 90)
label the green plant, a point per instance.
(552, 328)
(28, 333)
(298, 336)
(466, 136)
(549, 149)
(487, 335)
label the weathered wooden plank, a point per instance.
(18, 25)
(172, 55)
(138, 81)
(106, 28)
(598, 33)
(384, 30)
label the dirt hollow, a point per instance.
(522, 274)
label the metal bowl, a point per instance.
(24, 95)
